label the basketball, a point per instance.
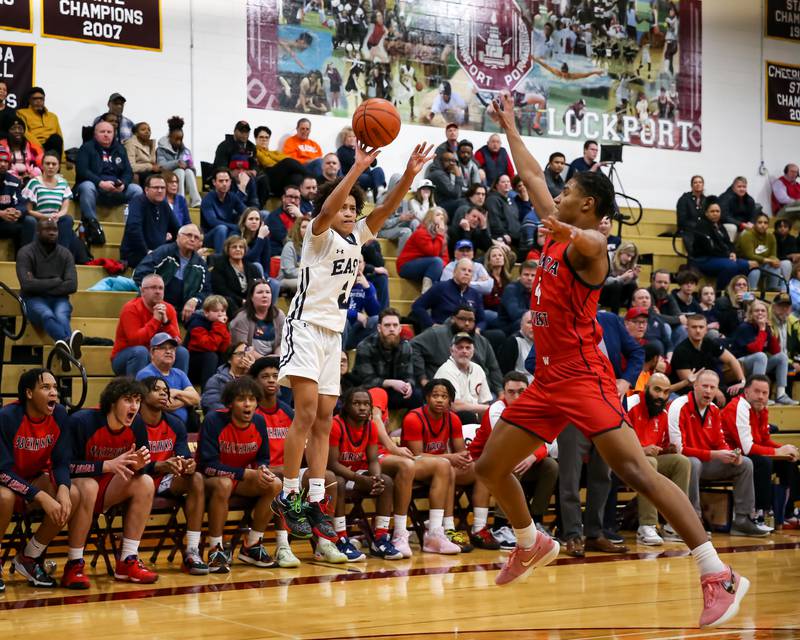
(420, 86)
(376, 122)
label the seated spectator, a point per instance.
(683, 296)
(481, 280)
(231, 276)
(290, 256)
(786, 194)
(523, 201)
(373, 179)
(103, 173)
(516, 299)
(690, 209)
(220, 210)
(475, 196)
(612, 241)
(701, 352)
(255, 233)
(473, 228)
(207, 338)
(621, 281)
(745, 422)
(788, 248)
(553, 171)
(281, 219)
(712, 250)
(375, 270)
(539, 238)
(439, 302)
(141, 150)
(279, 168)
(695, 430)
(12, 202)
(26, 156)
(150, 224)
(468, 379)
(259, 324)
(182, 395)
(48, 198)
(635, 321)
(425, 254)
(731, 307)
(47, 277)
(402, 223)
(758, 245)
(124, 128)
(141, 319)
(497, 265)
(759, 350)
(494, 160)
(708, 307)
(448, 182)
(385, 360)
(587, 162)
(423, 200)
(301, 147)
(238, 154)
(177, 203)
(738, 207)
(362, 311)
(794, 289)
(186, 278)
(308, 193)
(450, 139)
(514, 351)
(657, 330)
(470, 171)
(665, 305)
(238, 360)
(504, 224)
(172, 155)
(41, 124)
(331, 169)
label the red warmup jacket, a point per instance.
(695, 436)
(747, 429)
(420, 244)
(137, 326)
(649, 430)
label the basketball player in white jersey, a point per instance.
(312, 335)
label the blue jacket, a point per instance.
(514, 302)
(277, 232)
(362, 299)
(443, 299)
(214, 213)
(145, 229)
(11, 192)
(259, 252)
(90, 165)
(180, 211)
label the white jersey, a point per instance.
(328, 269)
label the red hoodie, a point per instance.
(422, 245)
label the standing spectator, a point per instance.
(497, 266)
(141, 150)
(787, 243)
(103, 173)
(515, 349)
(690, 207)
(41, 124)
(473, 395)
(48, 198)
(220, 210)
(116, 105)
(448, 181)
(280, 169)
(757, 244)
(184, 272)
(290, 256)
(173, 155)
(231, 276)
(553, 171)
(141, 319)
(504, 225)
(255, 233)
(786, 194)
(621, 281)
(362, 311)
(738, 207)
(469, 168)
(443, 299)
(26, 156)
(373, 179)
(47, 277)
(301, 147)
(587, 162)
(474, 228)
(712, 251)
(259, 324)
(494, 160)
(239, 358)
(425, 254)
(238, 154)
(481, 280)
(516, 298)
(207, 338)
(7, 112)
(150, 222)
(759, 350)
(12, 202)
(177, 203)
(281, 219)
(423, 200)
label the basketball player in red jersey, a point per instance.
(574, 382)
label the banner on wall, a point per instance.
(18, 69)
(782, 19)
(783, 92)
(15, 15)
(135, 24)
(618, 72)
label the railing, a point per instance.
(7, 320)
(65, 392)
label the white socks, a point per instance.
(399, 522)
(340, 524)
(34, 548)
(281, 538)
(707, 559)
(214, 541)
(75, 553)
(316, 489)
(526, 537)
(291, 485)
(254, 537)
(480, 516)
(192, 540)
(129, 548)
(435, 518)
(449, 522)
(382, 522)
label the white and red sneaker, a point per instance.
(132, 569)
(722, 593)
(436, 541)
(522, 560)
(400, 542)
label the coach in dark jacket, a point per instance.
(149, 221)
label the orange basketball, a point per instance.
(376, 122)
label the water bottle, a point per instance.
(82, 232)
(125, 214)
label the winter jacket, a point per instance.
(90, 166)
(168, 157)
(211, 400)
(375, 363)
(165, 261)
(146, 229)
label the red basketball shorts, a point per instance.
(20, 504)
(102, 485)
(569, 392)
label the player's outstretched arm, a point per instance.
(422, 154)
(502, 111)
(335, 201)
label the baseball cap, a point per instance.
(636, 312)
(242, 125)
(116, 96)
(782, 298)
(425, 183)
(464, 244)
(462, 335)
(162, 337)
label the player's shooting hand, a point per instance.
(559, 231)
(364, 156)
(501, 110)
(420, 156)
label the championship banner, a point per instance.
(15, 15)
(135, 24)
(18, 69)
(617, 72)
(782, 19)
(783, 93)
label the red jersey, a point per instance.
(563, 310)
(352, 442)
(694, 434)
(649, 429)
(167, 439)
(93, 441)
(226, 450)
(435, 434)
(490, 418)
(747, 429)
(278, 420)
